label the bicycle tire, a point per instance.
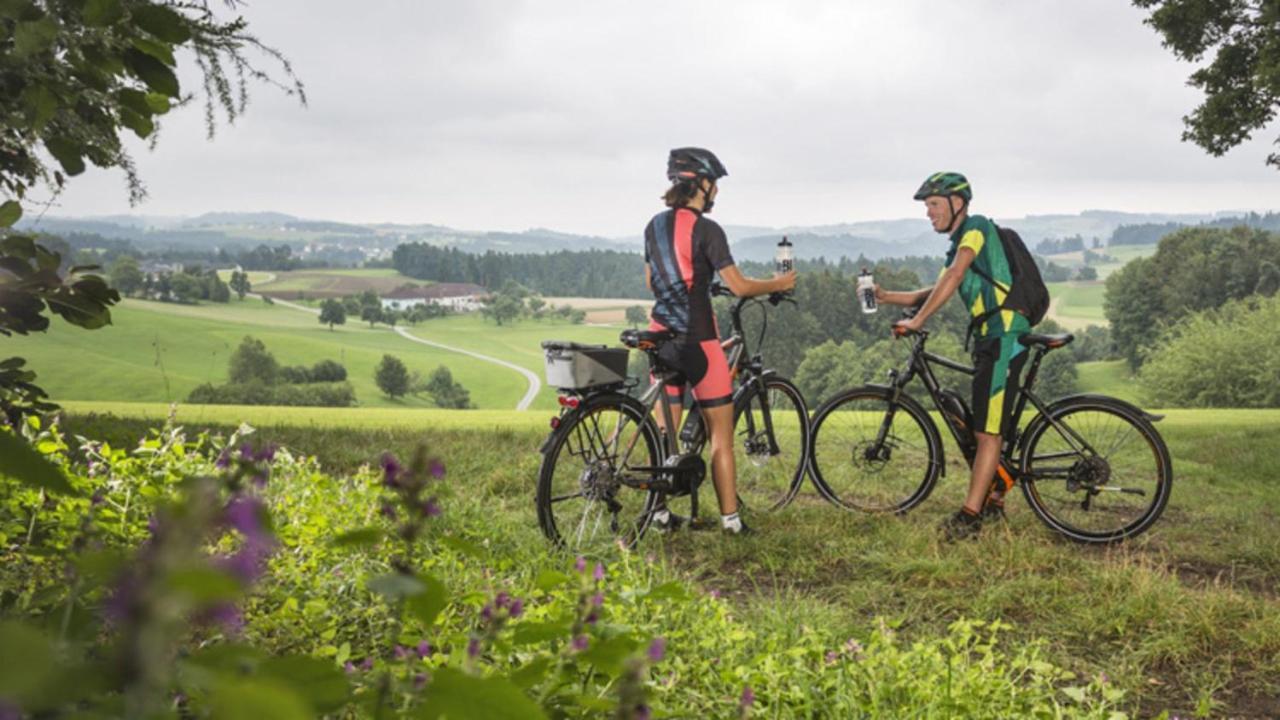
(843, 441)
(1102, 517)
(764, 478)
(594, 482)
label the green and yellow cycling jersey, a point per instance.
(979, 295)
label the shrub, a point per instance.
(333, 394)
(392, 376)
(251, 362)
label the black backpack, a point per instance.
(1028, 296)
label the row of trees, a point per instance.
(188, 286)
(368, 307)
(256, 378)
(1192, 270)
(395, 380)
(514, 301)
(588, 273)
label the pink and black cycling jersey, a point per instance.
(684, 250)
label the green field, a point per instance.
(336, 282)
(1185, 618)
(1077, 304)
(1108, 377)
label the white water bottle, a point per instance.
(784, 260)
(866, 292)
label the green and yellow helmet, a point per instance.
(945, 184)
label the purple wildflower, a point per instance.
(268, 453)
(9, 712)
(748, 697)
(657, 649)
(597, 600)
(246, 452)
(580, 564)
(424, 649)
(401, 652)
(245, 566)
(437, 469)
(224, 459)
(349, 668)
(502, 598)
(367, 663)
(259, 480)
(391, 470)
(388, 511)
(832, 657)
(580, 643)
(98, 498)
(516, 608)
(592, 617)
(853, 647)
(419, 681)
(715, 594)
(473, 648)
(430, 508)
(599, 573)
(245, 514)
(225, 615)
(486, 613)
(642, 712)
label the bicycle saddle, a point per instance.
(645, 339)
(1048, 342)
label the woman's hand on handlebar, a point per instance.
(786, 282)
(908, 326)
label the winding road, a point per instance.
(535, 383)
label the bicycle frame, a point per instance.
(921, 363)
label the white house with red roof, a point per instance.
(459, 297)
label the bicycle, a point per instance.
(606, 450)
(879, 450)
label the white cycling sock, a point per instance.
(731, 522)
(661, 516)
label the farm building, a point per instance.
(459, 297)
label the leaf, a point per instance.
(205, 585)
(151, 71)
(394, 586)
(532, 673)
(361, 537)
(428, 605)
(69, 155)
(550, 579)
(10, 213)
(41, 105)
(21, 462)
(100, 13)
(322, 684)
(463, 546)
(141, 125)
(257, 699)
(673, 590)
(535, 633)
(607, 655)
(462, 697)
(162, 22)
(26, 663)
(30, 38)
(157, 50)
(158, 103)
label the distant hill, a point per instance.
(873, 238)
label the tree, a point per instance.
(185, 288)
(1087, 273)
(125, 275)
(332, 313)
(371, 314)
(1268, 280)
(636, 316)
(446, 392)
(536, 306)
(1242, 84)
(392, 376)
(240, 283)
(251, 362)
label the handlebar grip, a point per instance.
(901, 330)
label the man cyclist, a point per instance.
(975, 258)
(683, 250)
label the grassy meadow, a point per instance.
(337, 282)
(1185, 618)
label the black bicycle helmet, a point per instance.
(690, 162)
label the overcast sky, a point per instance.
(506, 115)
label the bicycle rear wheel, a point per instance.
(583, 503)
(770, 443)
(1098, 473)
(872, 454)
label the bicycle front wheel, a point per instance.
(770, 443)
(1096, 470)
(873, 454)
(583, 499)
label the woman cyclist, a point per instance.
(683, 250)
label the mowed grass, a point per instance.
(158, 352)
(1185, 618)
(336, 282)
(1077, 304)
(1108, 377)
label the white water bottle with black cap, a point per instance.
(784, 260)
(866, 292)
